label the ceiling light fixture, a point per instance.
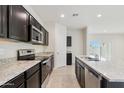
(75, 14)
(105, 31)
(99, 15)
(62, 15)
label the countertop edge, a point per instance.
(22, 71)
(110, 80)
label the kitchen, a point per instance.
(34, 45)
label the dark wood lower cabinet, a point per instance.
(31, 78)
(82, 77)
(69, 59)
(106, 84)
(52, 63)
(33, 81)
(80, 74)
(16, 82)
(22, 85)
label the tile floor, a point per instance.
(63, 77)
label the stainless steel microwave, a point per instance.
(36, 35)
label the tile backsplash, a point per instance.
(8, 48)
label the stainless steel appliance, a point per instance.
(26, 54)
(45, 68)
(36, 35)
(32, 75)
(92, 79)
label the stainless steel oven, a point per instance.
(36, 35)
(26, 54)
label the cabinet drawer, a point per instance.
(14, 83)
(32, 70)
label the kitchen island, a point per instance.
(108, 74)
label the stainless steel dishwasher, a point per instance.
(45, 71)
(92, 79)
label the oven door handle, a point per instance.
(44, 62)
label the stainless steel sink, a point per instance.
(91, 59)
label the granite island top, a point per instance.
(10, 68)
(110, 70)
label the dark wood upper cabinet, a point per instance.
(34, 22)
(18, 23)
(3, 21)
(46, 36)
(15, 23)
(69, 41)
(46, 42)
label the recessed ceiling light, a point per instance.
(62, 15)
(99, 15)
(105, 31)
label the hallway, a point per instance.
(63, 77)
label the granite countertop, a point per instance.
(10, 68)
(111, 70)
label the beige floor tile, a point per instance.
(63, 77)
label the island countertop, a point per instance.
(113, 71)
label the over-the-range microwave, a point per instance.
(36, 35)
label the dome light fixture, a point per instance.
(99, 15)
(62, 15)
(75, 14)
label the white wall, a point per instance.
(50, 27)
(57, 42)
(78, 42)
(8, 48)
(60, 45)
(117, 41)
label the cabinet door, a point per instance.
(82, 77)
(34, 22)
(69, 59)
(69, 41)
(78, 72)
(22, 86)
(44, 35)
(52, 61)
(18, 23)
(15, 83)
(3, 21)
(34, 81)
(47, 38)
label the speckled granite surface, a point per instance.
(10, 67)
(111, 70)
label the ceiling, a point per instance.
(111, 21)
